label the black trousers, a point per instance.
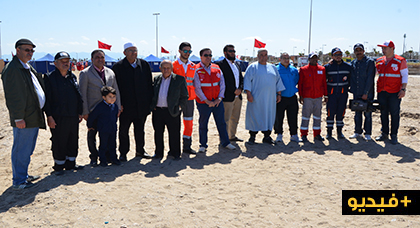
(107, 147)
(65, 142)
(160, 119)
(125, 122)
(290, 105)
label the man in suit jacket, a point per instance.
(24, 94)
(234, 82)
(134, 78)
(91, 80)
(170, 93)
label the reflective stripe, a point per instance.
(60, 162)
(316, 128)
(190, 84)
(305, 118)
(397, 60)
(316, 118)
(337, 84)
(330, 121)
(393, 75)
(186, 137)
(209, 84)
(339, 72)
(303, 128)
(188, 118)
(189, 78)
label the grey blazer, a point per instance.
(90, 84)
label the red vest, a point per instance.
(189, 77)
(209, 82)
(389, 74)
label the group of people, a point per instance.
(129, 93)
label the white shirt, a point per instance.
(163, 92)
(37, 86)
(235, 72)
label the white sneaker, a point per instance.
(230, 147)
(279, 138)
(202, 149)
(295, 138)
(355, 135)
(368, 138)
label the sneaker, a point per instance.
(394, 140)
(202, 149)
(279, 138)
(304, 138)
(32, 178)
(295, 138)
(382, 137)
(25, 185)
(355, 135)
(319, 138)
(368, 138)
(230, 147)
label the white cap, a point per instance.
(129, 45)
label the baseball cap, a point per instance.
(24, 41)
(129, 45)
(62, 55)
(336, 49)
(387, 44)
(313, 54)
(358, 45)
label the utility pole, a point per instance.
(157, 26)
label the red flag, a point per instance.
(12, 54)
(104, 45)
(259, 44)
(163, 50)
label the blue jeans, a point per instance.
(219, 117)
(24, 141)
(390, 105)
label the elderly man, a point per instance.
(391, 88)
(312, 87)
(134, 78)
(63, 108)
(184, 67)
(91, 80)
(338, 75)
(361, 85)
(289, 103)
(170, 93)
(25, 98)
(210, 89)
(263, 86)
(234, 82)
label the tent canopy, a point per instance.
(195, 59)
(154, 62)
(152, 58)
(44, 65)
(47, 57)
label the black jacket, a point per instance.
(230, 80)
(135, 85)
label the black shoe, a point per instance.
(158, 157)
(144, 155)
(189, 151)
(103, 164)
(58, 172)
(76, 167)
(319, 138)
(329, 136)
(173, 158)
(236, 139)
(123, 158)
(25, 185)
(32, 178)
(269, 140)
(341, 136)
(304, 138)
(382, 137)
(93, 163)
(394, 140)
(251, 140)
(116, 162)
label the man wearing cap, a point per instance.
(338, 75)
(312, 87)
(184, 67)
(91, 80)
(24, 94)
(361, 85)
(391, 88)
(134, 78)
(63, 108)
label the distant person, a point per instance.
(263, 86)
(184, 67)
(103, 119)
(289, 102)
(63, 108)
(25, 97)
(234, 83)
(361, 85)
(134, 78)
(391, 88)
(312, 87)
(91, 80)
(210, 89)
(170, 94)
(338, 75)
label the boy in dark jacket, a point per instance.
(104, 116)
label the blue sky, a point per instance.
(75, 26)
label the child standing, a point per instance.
(104, 116)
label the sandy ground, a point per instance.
(287, 185)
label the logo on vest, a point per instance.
(394, 67)
(320, 72)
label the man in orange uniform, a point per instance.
(186, 68)
(391, 85)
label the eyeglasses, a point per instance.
(132, 50)
(207, 55)
(341, 54)
(232, 51)
(28, 50)
(186, 51)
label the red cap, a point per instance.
(387, 44)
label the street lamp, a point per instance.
(156, 14)
(310, 26)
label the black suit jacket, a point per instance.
(230, 80)
(177, 93)
(135, 85)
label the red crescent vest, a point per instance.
(209, 82)
(189, 76)
(389, 74)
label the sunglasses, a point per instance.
(232, 51)
(186, 51)
(207, 55)
(28, 50)
(338, 54)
